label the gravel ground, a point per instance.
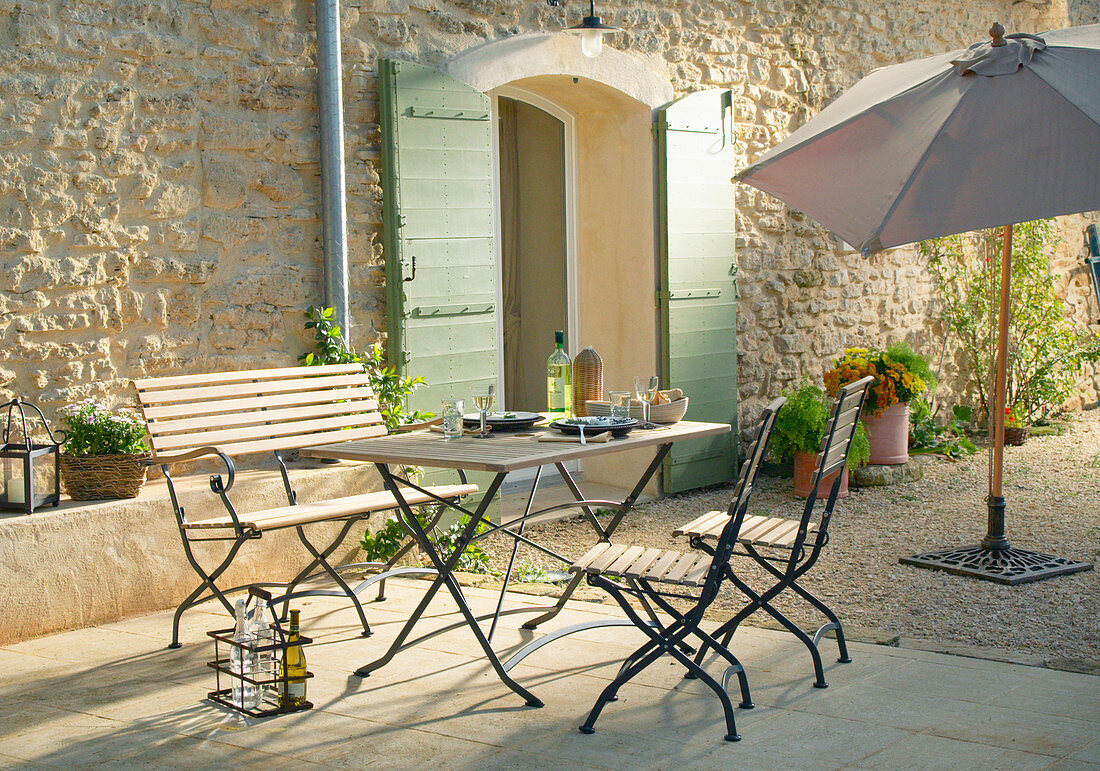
(1052, 486)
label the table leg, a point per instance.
(447, 578)
(604, 533)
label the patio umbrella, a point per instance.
(1005, 131)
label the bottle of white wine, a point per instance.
(294, 666)
(559, 380)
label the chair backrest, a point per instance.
(747, 479)
(840, 430)
(259, 410)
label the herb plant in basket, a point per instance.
(104, 453)
(799, 429)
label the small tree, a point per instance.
(390, 389)
(1046, 352)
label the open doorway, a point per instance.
(534, 147)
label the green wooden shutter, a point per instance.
(698, 285)
(438, 214)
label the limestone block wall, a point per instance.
(159, 201)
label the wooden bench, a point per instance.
(227, 414)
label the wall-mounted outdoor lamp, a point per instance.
(591, 30)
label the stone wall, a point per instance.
(159, 196)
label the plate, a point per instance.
(595, 425)
(502, 421)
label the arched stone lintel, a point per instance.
(504, 61)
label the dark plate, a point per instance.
(595, 425)
(499, 422)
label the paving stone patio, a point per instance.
(115, 696)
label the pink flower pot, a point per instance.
(804, 463)
(888, 434)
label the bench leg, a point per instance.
(208, 580)
(321, 558)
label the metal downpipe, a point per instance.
(333, 189)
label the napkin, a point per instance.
(553, 436)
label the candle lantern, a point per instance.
(29, 470)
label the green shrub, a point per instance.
(391, 389)
(950, 440)
(382, 545)
(1046, 350)
(91, 429)
(800, 427)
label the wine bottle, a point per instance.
(294, 666)
(242, 661)
(559, 380)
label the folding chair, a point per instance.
(642, 568)
(788, 548)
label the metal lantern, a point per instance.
(30, 471)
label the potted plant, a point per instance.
(1016, 430)
(799, 429)
(104, 453)
(901, 375)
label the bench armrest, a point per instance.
(215, 479)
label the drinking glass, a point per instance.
(483, 400)
(620, 403)
(645, 388)
(452, 418)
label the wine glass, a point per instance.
(645, 389)
(483, 400)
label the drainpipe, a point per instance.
(333, 210)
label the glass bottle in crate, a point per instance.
(242, 661)
(264, 640)
(559, 380)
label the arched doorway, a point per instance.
(646, 237)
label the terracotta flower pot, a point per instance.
(888, 434)
(804, 463)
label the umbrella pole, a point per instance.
(995, 533)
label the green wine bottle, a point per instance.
(559, 380)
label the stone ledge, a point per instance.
(88, 563)
(873, 475)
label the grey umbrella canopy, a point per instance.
(1004, 131)
(987, 136)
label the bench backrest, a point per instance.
(259, 410)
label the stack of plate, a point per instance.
(671, 412)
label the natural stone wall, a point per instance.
(159, 169)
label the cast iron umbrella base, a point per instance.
(994, 560)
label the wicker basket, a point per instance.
(587, 380)
(1016, 435)
(96, 477)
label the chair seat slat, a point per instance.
(637, 568)
(705, 525)
(612, 553)
(588, 556)
(660, 566)
(624, 560)
(305, 513)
